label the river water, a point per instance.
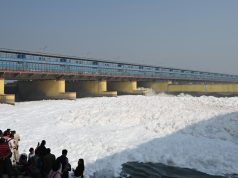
(157, 170)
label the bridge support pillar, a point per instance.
(44, 89)
(90, 88)
(5, 98)
(126, 88)
(156, 86)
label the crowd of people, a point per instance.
(39, 163)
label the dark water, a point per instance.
(157, 170)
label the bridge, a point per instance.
(51, 76)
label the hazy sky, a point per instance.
(191, 34)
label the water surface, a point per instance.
(158, 170)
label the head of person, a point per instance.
(64, 152)
(13, 132)
(48, 151)
(11, 135)
(31, 150)
(6, 133)
(23, 157)
(43, 142)
(56, 165)
(1, 133)
(80, 161)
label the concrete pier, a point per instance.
(5, 98)
(44, 89)
(90, 88)
(56, 89)
(126, 88)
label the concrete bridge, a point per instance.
(47, 76)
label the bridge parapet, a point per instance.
(27, 65)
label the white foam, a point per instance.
(186, 131)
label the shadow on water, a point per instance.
(153, 170)
(173, 156)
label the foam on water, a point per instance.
(184, 131)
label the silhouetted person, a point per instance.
(41, 152)
(66, 167)
(22, 164)
(56, 170)
(31, 153)
(42, 149)
(34, 169)
(78, 172)
(48, 161)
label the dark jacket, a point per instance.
(41, 150)
(48, 161)
(66, 167)
(79, 170)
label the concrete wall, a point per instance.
(204, 88)
(156, 86)
(89, 88)
(44, 89)
(126, 87)
(221, 88)
(186, 88)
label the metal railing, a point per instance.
(32, 62)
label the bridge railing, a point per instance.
(19, 62)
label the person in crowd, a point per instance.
(34, 167)
(17, 139)
(12, 146)
(56, 170)
(31, 153)
(22, 164)
(8, 131)
(40, 152)
(6, 135)
(48, 161)
(5, 155)
(78, 172)
(66, 167)
(42, 149)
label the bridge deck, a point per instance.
(16, 65)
